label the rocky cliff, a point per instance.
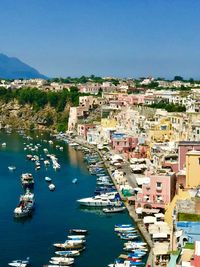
(18, 116)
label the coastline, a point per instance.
(143, 232)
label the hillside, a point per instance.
(13, 68)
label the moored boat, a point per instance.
(11, 168)
(68, 253)
(79, 231)
(114, 209)
(27, 180)
(48, 179)
(52, 187)
(19, 263)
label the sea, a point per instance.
(56, 212)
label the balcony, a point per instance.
(159, 188)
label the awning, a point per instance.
(150, 210)
(159, 215)
(149, 219)
(160, 235)
(143, 180)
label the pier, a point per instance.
(125, 168)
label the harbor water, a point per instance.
(55, 212)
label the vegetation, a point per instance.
(39, 99)
(168, 107)
(188, 217)
(85, 79)
(189, 245)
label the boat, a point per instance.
(11, 168)
(79, 231)
(124, 229)
(67, 260)
(74, 181)
(62, 260)
(99, 201)
(68, 253)
(27, 180)
(47, 179)
(128, 236)
(3, 144)
(119, 263)
(75, 241)
(55, 265)
(51, 187)
(19, 263)
(68, 246)
(114, 209)
(76, 237)
(26, 205)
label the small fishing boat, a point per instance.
(68, 253)
(55, 265)
(79, 231)
(114, 209)
(76, 237)
(68, 246)
(48, 179)
(128, 236)
(62, 260)
(11, 168)
(52, 187)
(19, 263)
(27, 180)
(74, 181)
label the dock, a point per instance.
(141, 228)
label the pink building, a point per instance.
(131, 99)
(82, 129)
(123, 143)
(183, 148)
(158, 192)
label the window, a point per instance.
(158, 184)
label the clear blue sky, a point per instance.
(126, 38)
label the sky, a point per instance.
(121, 38)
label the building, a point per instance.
(183, 148)
(123, 143)
(192, 169)
(158, 192)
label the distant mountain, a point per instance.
(13, 68)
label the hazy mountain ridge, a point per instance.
(13, 68)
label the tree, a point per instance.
(178, 78)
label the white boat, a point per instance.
(114, 209)
(74, 181)
(122, 264)
(79, 231)
(11, 168)
(47, 179)
(68, 246)
(52, 187)
(68, 253)
(124, 229)
(3, 144)
(56, 265)
(62, 260)
(99, 201)
(19, 263)
(74, 241)
(76, 236)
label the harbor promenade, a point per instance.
(131, 209)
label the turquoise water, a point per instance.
(56, 212)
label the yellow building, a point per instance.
(161, 131)
(108, 123)
(192, 169)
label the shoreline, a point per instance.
(132, 214)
